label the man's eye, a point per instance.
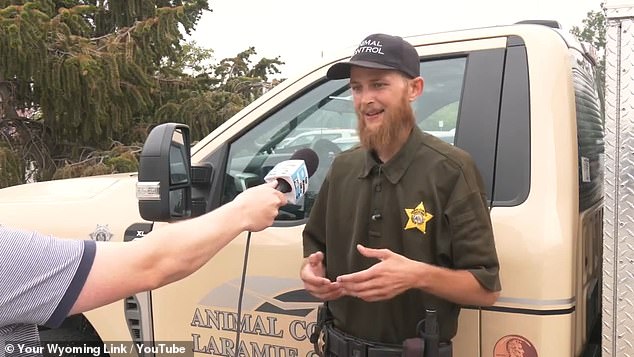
(378, 85)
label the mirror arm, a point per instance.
(201, 176)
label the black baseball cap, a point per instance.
(380, 51)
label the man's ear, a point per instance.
(416, 86)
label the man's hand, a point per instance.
(259, 206)
(313, 275)
(391, 276)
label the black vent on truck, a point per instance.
(133, 318)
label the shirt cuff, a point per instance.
(75, 286)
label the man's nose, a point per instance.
(366, 96)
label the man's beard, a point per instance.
(395, 121)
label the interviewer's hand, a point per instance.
(392, 275)
(313, 275)
(259, 205)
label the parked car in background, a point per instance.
(346, 143)
(446, 136)
(310, 137)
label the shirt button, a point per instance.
(377, 188)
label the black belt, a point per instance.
(342, 345)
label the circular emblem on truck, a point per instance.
(514, 346)
(101, 234)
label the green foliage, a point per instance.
(77, 76)
(11, 167)
(126, 162)
(213, 93)
(119, 159)
(593, 32)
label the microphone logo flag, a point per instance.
(295, 173)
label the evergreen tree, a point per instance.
(82, 81)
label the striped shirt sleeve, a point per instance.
(41, 276)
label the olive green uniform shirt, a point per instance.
(428, 204)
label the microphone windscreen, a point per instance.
(310, 159)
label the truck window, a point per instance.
(512, 165)
(323, 119)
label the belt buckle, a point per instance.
(357, 349)
(322, 341)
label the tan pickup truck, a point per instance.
(521, 99)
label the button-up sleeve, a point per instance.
(472, 242)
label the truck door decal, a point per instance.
(277, 320)
(264, 294)
(102, 233)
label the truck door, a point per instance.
(460, 105)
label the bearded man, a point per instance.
(401, 226)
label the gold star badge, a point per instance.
(418, 217)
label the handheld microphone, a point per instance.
(292, 175)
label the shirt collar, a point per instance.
(396, 167)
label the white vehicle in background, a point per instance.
(447, 136)
(352, 141)
(309, 137)
(346, 143)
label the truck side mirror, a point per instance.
(164, 186)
